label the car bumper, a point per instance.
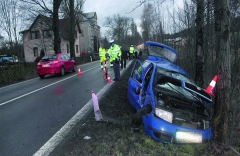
(46, 70)
(166, 132)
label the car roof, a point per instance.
(165, 64)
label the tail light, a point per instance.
(39, 64)
(55, 62)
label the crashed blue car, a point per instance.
(171, 106)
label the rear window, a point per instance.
(49, 57)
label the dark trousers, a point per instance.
(116, 69)
(123, 62)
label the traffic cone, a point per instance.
(79, 71)
(108, 79)
(211, 86)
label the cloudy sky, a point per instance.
(105, 8)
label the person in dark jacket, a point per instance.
(124, 50)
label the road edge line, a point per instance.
(53, 142)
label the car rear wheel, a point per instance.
(62, 71)
(41, 76)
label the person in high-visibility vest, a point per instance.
(115, 53)
(102, 53)
(131, 51)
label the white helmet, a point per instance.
(111, 41)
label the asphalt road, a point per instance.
(33, 111)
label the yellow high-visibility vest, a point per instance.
(131, 49)
(102, 52)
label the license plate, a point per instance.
(188, 137)
(45, 65)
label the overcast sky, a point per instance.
(105, 8)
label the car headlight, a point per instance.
(165, 115)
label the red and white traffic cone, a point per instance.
(108, 79)
(79, 71)
(211, 86)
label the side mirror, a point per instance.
(137, 90)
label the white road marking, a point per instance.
(49, 146)
(37, 78)
(1, 104)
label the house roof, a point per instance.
(45, 19)
(64, 24)
(90, 15)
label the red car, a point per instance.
(55, 64)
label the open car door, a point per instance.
(134, 82)
(136, 85)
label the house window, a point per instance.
(47, 33)
(67, 48)
(35, 51)
(76, 48)
(34, 35)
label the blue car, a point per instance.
(171, 106)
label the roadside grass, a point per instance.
(114, 136)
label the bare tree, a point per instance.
(55, 26)
(72, 9)
(147, 20)
(199, 43)
(40, 6)
(119, 27)
(11, 17)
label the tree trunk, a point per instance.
(222, 106)
(199, 43)
(72, 29)
(55, 26)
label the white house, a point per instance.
(39, 36)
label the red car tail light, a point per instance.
(55, 62)
(39, 64)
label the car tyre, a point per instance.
(41, 76)
(62, 72)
